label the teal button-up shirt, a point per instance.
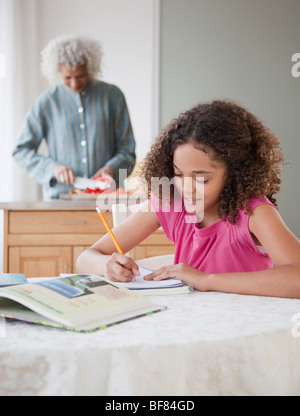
(83, 131)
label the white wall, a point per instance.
(17, 91)
(241, 50)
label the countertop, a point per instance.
(49, 206)
(105, 202)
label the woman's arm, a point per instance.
(38, 167)
(102, 258)
(123, 136)
(281, 281)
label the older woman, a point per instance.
(84, 121)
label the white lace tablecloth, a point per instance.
(203, 344)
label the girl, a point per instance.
(225, 150)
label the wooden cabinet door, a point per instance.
(143, 252)
(40, 261)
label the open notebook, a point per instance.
(152, 287)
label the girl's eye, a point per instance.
(201, 181)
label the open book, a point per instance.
(12, 279)
(82, 303)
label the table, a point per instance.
(203, 344)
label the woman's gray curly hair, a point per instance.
(74, 51)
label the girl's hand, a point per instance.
(120, 268)
(182, 271)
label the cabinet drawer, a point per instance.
(57, 222)
(143, 252)
(158, 238)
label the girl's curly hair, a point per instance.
(231, 135)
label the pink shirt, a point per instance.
(220, 248)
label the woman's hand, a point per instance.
(120, 268)
(64, 175)
(108, 173)
(105, 171)
(182, 271)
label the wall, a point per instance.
(17, 91)
(241, 50)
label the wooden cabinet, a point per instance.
(46, 239)
(47, 243)
(40, 261)
(155, 245)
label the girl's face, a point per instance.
(199, 180)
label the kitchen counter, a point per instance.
(58, 205)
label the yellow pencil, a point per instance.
(109, 230)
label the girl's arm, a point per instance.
(284, 249)
(282, 246)
(103, 259)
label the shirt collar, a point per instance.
(76, 94)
